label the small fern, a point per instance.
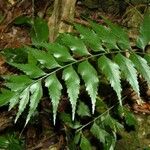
(73, 56)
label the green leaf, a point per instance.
(14, 100)
(99, 133)
(22, 20)
(24, 99)
(31, 59)
(90, 38)
(112, 73)
(128, 115)
(4, 142)
(77, 137)
(144, 37)
(85, 144)
(119, 32)
(90, 77)
(5, 96)
(75, 44)
(17, 82)
(66, 118)
(147, 57)
(111, 122)
(128, 71)
(54, 88)
(106, 36)
(36, 95)
(17, 55)
(72, 82)
(142, 66)
(60, 52)
(101, 106)
(83, 110)
(29, 69)
(44, 58)
(39, 31)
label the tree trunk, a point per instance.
(63, 10)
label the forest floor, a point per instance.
(42, 134)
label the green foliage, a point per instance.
(39, 29)
(54, 88)
(91, 80)
(83, 110)
(128, 71)
(10, 142)
(76, 61)
(144, 37)
(128, 116)
(85, 144)
(72, 82)
(112, 73)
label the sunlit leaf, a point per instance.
(128, 71)
(54, 88)
(112, 73)
(142, 66)
(36, 95)
(75, 44)
(91, 80)
(72, 82)
(144, 37)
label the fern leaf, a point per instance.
(85, 143)
(32, 60)
(13, 101)
(36, 95)
(16, 82)
(73, 85)
(83, 109)
(99, 133)
(112, 73)
(39, 30)
(142, 66)
(112, 123)
(60, 52)
(104, 33)
(122, 36)
(90, 77)
(29, 69)
(44, 58)
(54, 88)
(147, 57)
(144, 37)
(5, 96)
(75, 44)
(90, 38)
(24, 99)
(128, 71)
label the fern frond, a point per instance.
(128, 71)
(90, 38)
(75, 58)
(46, 59)
(112, 73)
(144, 37)
(147, 57)
(54, 88)
(29, 69)
(36, 95)
(142, 66)
(90, 77)
(72, 82)
(60, 52)
(24, 99)
(75, 44)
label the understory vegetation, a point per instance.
(83, 75)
